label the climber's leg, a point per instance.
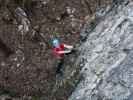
(59, 66)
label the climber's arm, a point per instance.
(64, 52)
(68, 46)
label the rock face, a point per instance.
(27, 64)
(107, 57)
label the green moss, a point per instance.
(10, 93)
(35, 98)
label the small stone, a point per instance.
(58, 18)
(68, 10)
(18, 65)
(20, 27)
(3, 63)
(15, 59)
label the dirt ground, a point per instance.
(27, 65)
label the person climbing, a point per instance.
(59, 50)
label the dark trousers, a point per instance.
(61, 62)
(59, 66)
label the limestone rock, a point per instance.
(108, 52)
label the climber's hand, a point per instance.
(75, 49)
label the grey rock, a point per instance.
(108, 51)
(23, 20)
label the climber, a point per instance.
(59, 48)
(59, 52)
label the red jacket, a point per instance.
(56, 49)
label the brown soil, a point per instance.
(27, 66)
